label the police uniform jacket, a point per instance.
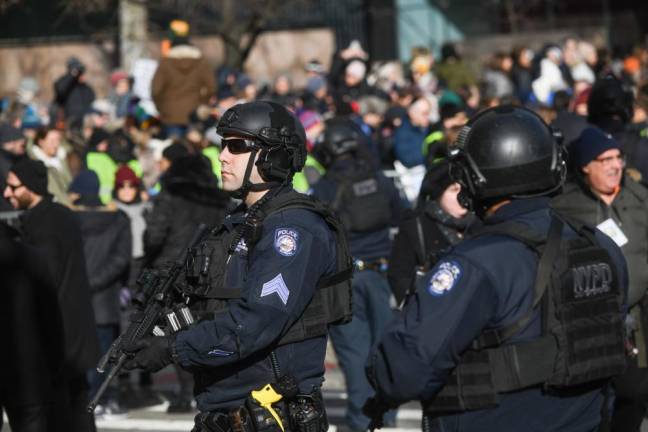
(483, 283)
(229, 353)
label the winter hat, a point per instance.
(125, 174)
(314, 84)
(356, 68)
(309, 119)
(117, 76)
(9, 133)
(32, 174)
(436, 181)
(175, 151)
(591, 143)
(86, 183)
(97, 137)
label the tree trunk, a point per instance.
(133, 32)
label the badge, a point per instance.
(444, 279)
(286, 241)
(612, 230)
(278, 286)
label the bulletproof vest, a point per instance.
(580, 298)
(361, 201)
(207, 267)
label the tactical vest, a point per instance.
(578, 293)
(207, 267)
(361, 202)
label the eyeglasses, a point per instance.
(14, 187)
(239, 145)
(611, 159)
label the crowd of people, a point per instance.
(109, 186)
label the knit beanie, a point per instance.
(86, 183)
(125, 174)
(175, 151)
(32, 174)
(591, 143)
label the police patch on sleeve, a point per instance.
(445, 278)
(286, 241)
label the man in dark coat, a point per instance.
(603, 195)
(55, 230)
(189, 196)
(72, 95)
(31, 328)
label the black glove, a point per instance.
(375, 409)
(150, 354)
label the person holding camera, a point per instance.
(72, 96)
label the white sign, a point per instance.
(612, 230)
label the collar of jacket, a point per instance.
(516, 208)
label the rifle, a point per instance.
(157, 303)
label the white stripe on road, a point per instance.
(185, 425)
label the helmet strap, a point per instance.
(248, 186)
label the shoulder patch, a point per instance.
(445, 277)
(286, 241)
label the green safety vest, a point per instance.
(105, 168)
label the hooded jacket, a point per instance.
(182, 81)
(189, 196)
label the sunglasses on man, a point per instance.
(239, 145)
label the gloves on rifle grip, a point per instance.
(150, 354)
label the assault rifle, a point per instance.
(158, 300)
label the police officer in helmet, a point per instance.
(368, 204)
(519, 327)
(263, 287)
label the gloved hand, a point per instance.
(375, 409)
(150, 354)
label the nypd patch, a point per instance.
(445, 278)
(286, 241)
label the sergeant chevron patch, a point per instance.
(276, 285)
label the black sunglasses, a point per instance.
(239, 145)
(14, 187)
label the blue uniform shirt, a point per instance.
(229, 354)
(483, 283)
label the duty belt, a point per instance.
(234, 420)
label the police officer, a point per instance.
(520, 326)
(264, 286)
(368, 204)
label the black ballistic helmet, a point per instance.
(279, 135)
(609, 99)
(341, 136)
(506, 152)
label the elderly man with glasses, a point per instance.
(603, 195)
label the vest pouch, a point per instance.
(367, 206)
(470, 387)
(584, 317)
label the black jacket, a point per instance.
(74, 97)
(31, 327)
(107, 248)
(189, 196)
(54, 229)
